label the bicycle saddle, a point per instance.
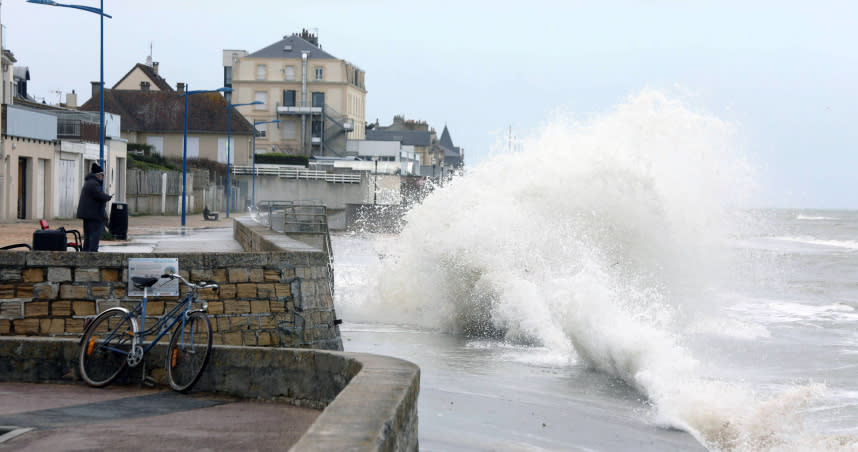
(141, 282)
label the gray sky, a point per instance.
(785, 72)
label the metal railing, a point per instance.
(286, 172)
(301, 218)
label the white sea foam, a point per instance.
(813, 217)
(847, 244)
(596, 241)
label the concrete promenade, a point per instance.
(150, 233)
(74, 417)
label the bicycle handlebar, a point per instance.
(199, 285)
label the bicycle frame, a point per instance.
(165, 323)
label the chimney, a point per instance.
(71, 100)
(180, 87)
(144, 86)
(155, 67)
(96, 88)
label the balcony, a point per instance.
(298, 110)
(73, 128)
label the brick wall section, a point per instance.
(277, 294)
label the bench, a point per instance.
(209, 215)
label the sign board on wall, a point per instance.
(154, 268)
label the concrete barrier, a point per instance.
(369, 401)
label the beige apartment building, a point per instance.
(320, 100)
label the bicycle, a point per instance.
(114, 339)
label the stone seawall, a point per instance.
(369, 401)
(278, 293)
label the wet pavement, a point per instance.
(75, 417)
(210, 240)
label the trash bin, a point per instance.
(119, 220)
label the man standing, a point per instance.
(90, 208)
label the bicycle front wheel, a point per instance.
(106, 344)
(188, 354)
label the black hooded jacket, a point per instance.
(92, 199)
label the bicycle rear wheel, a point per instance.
(188, 354)
(105, 346)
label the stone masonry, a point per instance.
(272, 297)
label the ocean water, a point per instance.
(606, 287)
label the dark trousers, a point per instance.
(92, 234)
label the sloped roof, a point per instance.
(159, 81)
(446, 141)
(291, 47)
(164, 111)
(406, 137)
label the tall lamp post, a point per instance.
(229, 146)
(185, 141)
(253, 153)
(100, 12)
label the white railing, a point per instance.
(287, 172)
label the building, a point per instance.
(319, 99)
(143, 77)
(153, 113)
(46, 151)
(454, 156)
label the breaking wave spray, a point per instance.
(597, 239)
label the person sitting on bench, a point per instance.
(209, 215)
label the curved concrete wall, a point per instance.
(370, 401)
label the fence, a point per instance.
(157, 192)
(288, 172)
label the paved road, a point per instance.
(74, 417)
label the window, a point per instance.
(320, 73)
(316, 129)
(318, 99)
(261, 72)
(288, 129)
(260, 96)
(227, 76)
(193, 147)
(157, 144)
(260, 130)
(222, 151)
(289, 98)
(289, 72)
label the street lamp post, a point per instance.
(253, 153)
(100, 12)
(229, 146)
(185, 141)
